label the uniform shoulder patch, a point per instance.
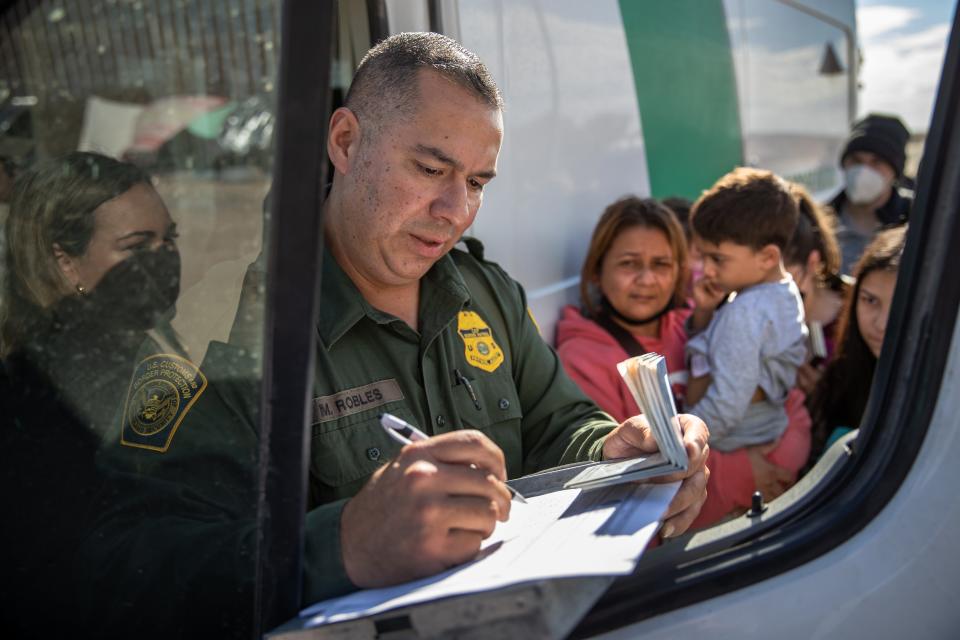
(162, 391)
(480, 348)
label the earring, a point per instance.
(81, 290)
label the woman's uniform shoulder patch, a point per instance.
(162, 391)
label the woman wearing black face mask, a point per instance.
(91, 270)
(91, 267)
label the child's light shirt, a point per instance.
(757, 339)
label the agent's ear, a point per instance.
(343, 139)
(68, 266)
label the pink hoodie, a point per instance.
(590, 356)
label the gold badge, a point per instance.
(480, 349)
(163, 389)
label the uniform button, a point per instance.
(441, 421)
(373, 453)
(504, 404)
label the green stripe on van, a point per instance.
(687, 92)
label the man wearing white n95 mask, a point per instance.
(872, 162)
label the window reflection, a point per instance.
(793, 88)
(136, 146)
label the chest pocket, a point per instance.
(345, 452)
(489, 403)
(489, 380)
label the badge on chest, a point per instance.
(480, 349)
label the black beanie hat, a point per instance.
(883, 135)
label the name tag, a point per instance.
(350, 401)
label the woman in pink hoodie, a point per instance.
(632, 288)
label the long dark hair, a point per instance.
(626, 213)
(815, 232)
(53, 203)
(841, 395)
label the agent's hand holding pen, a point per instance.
(425, 511)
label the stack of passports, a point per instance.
(646, 377)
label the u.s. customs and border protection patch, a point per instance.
(480, 349)
(163, 389)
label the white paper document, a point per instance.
(556, 535)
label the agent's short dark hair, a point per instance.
(385, 83)
(749, 207)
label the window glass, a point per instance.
(136, 148)
(552, 61)
(794, 86)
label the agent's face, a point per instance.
(136, 220)
(413, 190)
(873, 307)
(639, 272)
(731, 266)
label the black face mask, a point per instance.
(137, 292)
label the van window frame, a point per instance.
(906, 382)
(866, 473)
(289, 347)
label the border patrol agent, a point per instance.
(478, 362)
(440, 337)
(437, 336)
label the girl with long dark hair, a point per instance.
(839, 401)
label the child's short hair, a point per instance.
(750, 207)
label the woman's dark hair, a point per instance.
(815, 232)
(681, 208)
(624, 214)
(841, 395)
(53, 203)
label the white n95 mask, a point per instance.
(864, 184)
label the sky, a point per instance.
(903, 44)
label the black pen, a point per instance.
(405, 433)
(462, 379)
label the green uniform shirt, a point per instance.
(179, 512)
(478, 361)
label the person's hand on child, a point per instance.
(707, 296)
(770, 480)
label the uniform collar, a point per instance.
(442, 294)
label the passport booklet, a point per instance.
(646, 377)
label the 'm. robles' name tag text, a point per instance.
(350, 401)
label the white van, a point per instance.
(225, 101)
